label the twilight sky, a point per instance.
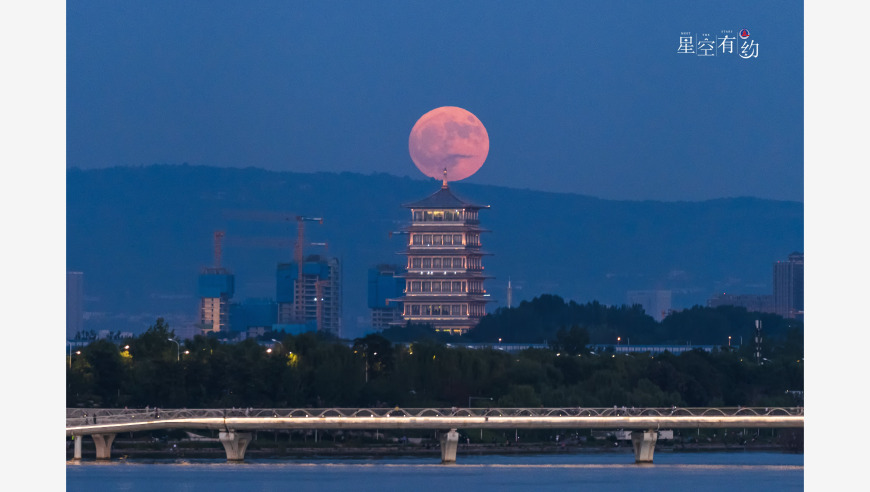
(588, 97)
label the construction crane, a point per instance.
(300, 237)
(218, 237)
(298, 253)
(299, 257)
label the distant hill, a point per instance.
(141, 235)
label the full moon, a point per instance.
(448, 138)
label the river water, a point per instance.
(699, 471)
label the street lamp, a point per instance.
(729, 341)
(279, 343)
(365, 349)
(177, 349)
(69, 345)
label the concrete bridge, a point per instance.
(235, 425)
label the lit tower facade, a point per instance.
(444, 278)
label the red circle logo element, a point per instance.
(744, 33)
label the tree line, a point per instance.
(538, 321)
(316, 370)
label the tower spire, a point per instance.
(509, 294)
(444, 182)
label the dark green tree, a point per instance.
(573, 341)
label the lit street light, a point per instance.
(279, 343)
(177, 349)
(78, 352)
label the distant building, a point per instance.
(215, 289)
(760, 303)
(788, 286)
(316, 298)
(254, 315)
(656, 303)
(74, 303)
(385, 283)
(444, 279)
(295, 328)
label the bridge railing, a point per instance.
(93, 416)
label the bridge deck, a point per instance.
(97, 421)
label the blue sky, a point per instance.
(586, 97)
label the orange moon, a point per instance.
(448, 138)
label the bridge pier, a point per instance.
(77, 447)
(644, 443)
(104, 445)
(235, 443)
(449, 443)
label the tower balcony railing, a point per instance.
(446, 222)
(436, 317)
(437, 271)
(451, 293)
(442, 246)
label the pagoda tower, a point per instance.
(444, 278)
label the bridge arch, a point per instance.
(430, 412)
(713, 411)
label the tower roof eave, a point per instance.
(476, 275)
(444, 198)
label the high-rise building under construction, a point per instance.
(308, 289)
(316, 299)
(216, 286)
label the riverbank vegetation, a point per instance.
(315, 370)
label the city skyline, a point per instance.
(569, 244)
